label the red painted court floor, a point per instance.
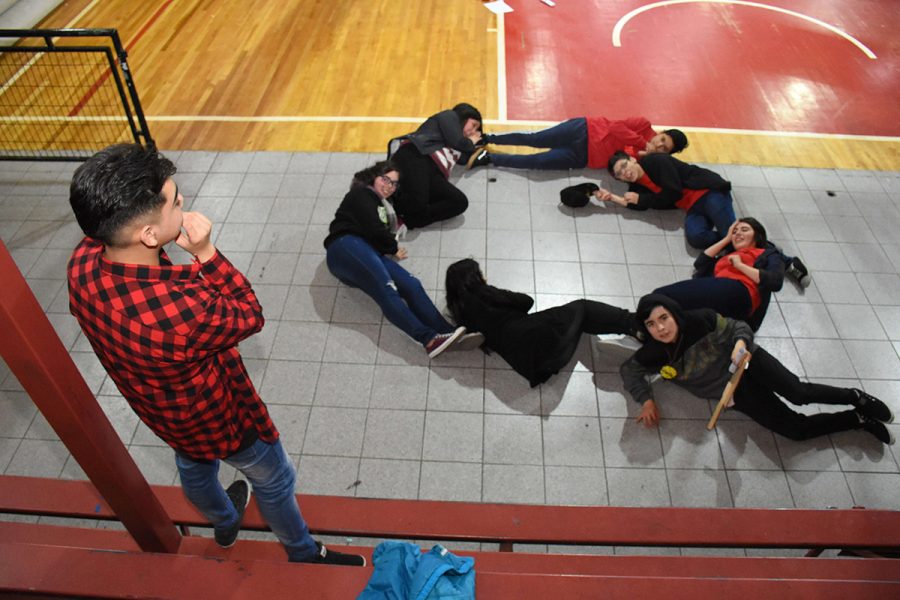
(716, 64)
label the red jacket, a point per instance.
(606, 137)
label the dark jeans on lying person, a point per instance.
(709, 218)
(400, 295)
(728, 297)
(766, 377)
(568, 143)
(425, 196)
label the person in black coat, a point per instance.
(426, 156)
(536, 345)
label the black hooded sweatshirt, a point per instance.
(701, 354)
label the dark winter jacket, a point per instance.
(439, 131)
(362, 214)
(771, 276)
(701, 355)
(536, 345)
(673, 177)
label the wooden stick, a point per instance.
(728, 392)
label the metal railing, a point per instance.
(64, 96)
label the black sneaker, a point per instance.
(333, 557)
(870, 406)
(479, 158)
(239, 494)
(878, 429)
(798, 271)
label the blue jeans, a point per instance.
(568, 143)
(714, 210)
(400, 295)
(728, 297)
(271, 473)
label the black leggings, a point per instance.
(594, 318)
(425, 196)
(766, 377)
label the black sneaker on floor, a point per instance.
(333, 557)
(239, 494)
(870, 406)
(479, 158)
(798, 271)
(878, 429)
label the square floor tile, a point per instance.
(453, 437)
(513, 439)
(573, 441)
(576, 486)
(699, 487)
(394, 434)
(523, 484)
(638, 487)
(760, 489)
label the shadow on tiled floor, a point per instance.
(363, 412)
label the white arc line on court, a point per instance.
(617, 30)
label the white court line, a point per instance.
(617, 30)
(418, 120)
(501, 68)
(12, 80)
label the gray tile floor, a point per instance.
(362, 410)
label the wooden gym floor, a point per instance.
(345, 76)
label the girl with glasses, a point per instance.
(361, 249)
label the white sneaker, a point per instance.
(442, 341)
(469, 341)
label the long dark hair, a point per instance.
(760, 238)
(367, 176)
(463, 277)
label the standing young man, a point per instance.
(167, 335)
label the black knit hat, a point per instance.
(577, 196)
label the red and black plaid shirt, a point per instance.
(168, 337)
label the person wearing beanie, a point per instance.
(580, 142)
(696, 350)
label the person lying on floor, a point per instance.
(536, 345)
(580, 142)
(735, 277)
(695, 349)
(663, 182)
(426, 157)
(360, 250)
